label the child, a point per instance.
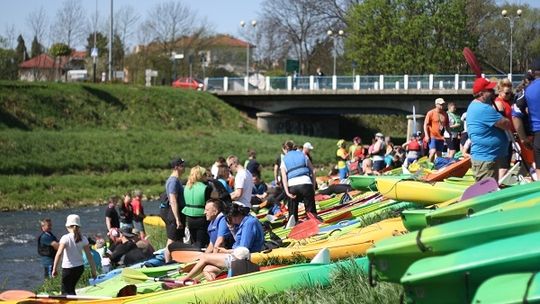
(70, 251)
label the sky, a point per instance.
(224, 15)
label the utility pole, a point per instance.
(111, 43)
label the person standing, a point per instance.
(307, 148)
(298, 180)
(243, 182)
(138, 213)
(454, 129)
(47, 247)
(171, 207)
(196, 193)
(502, 106)
(126, 212)
(378, 152)
(486, 130)
(435, 123)
(532, 97)
(112, 219)
(320, 76)
(70, 251)
(252, 165)
(341, 157)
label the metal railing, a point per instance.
(354, 83)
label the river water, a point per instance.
(20, 265)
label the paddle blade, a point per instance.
(472, 61)
(182, 256)
(133, 276)
(481, 187)
(305, 229)
(291, 223)
(126, 291)
(322, 257)
(13, 295)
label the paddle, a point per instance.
(481, 187)
(472, 61)
(305, 229)
(133, 276)
(14, 295)
(182, 256)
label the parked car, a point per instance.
(188, 83)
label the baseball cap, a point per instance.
(440, 101)
(482, 84)
(308, 146)
(177, 161)
(379, 134)
(127, 232)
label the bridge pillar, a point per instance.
(311, 125)
(411, 126)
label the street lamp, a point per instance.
(334, 37)
(243, 24)
(511, 20)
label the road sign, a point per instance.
(94, 52)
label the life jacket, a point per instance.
(296, 164)
(195, 199)
(413, 145)
(46, 250)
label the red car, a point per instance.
(188, 83)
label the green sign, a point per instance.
(292, 65)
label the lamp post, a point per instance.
(511, 20)
(243, 24)
(334, 36)
(94, 51)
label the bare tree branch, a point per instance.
(37, 21)
(69, 27)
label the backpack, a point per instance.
(163, 200)
(219, 192)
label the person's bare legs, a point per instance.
(210, 272)
(167, 254)
(213, 259)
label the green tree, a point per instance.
(101, 44)
(59, 50)
(36, 49)
(8, 64)
(20, 50)
(407, 36)
(118, 53)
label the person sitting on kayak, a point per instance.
(248, 233)
(220, 235)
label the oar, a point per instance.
(481, 187)
(13, 295)
(133, 276)
(183, 256)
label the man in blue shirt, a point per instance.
(47, 246)
(532, 96)
(249, 237)
(486, 129)
(171, 210)
(220, 235)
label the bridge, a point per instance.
(310, 104)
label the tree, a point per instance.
(8, 64)
(36, 48)
(70, 23)
(58, 50)
(126, 19)
(118, 53)
(102, 46)
(37, 21)
(20, 50)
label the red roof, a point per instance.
(45, 61)
(226, 40)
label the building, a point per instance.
(45, 68)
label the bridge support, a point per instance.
(411, 127)
(311, 125)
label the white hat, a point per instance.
(440, 101)
(308, 146)
(73, 220)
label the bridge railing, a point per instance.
(354, 83)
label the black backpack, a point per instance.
(219, 192)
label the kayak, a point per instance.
(270, 281)
(417, 191)
(154, 220)
(510, 288)
(391, 257)
(530, 200)
(353, 243)
(455, 277)
(456, 169)
(363, 182)
(478, 203)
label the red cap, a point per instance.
(482, 84)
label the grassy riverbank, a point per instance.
(76, 144)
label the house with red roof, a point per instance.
(44, 67)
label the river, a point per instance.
(20, 265)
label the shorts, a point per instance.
(437, 144)
(170, 224)
(452, 143)
(485, 169)
(139, 226)
(378, 165)
(504, 161)
(464, 137)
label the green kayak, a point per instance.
(392, 256)
(530, 200)
(454, 278)
(513, 288)
(479, 203)
(363, 182)
(415, 219)
(270, 281)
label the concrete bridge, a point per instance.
(312, 105)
